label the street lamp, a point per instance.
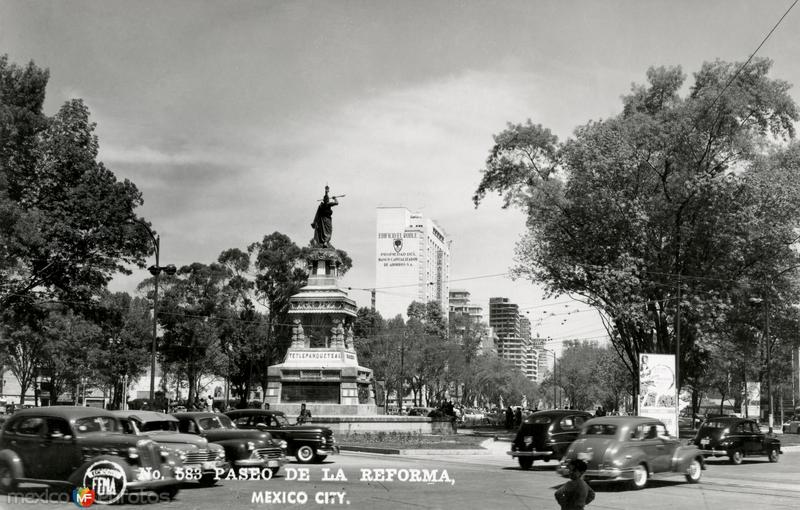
(155, 270)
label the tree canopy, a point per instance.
(667, 213)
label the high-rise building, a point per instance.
(531, 355)
(460, 305)
(412, 261)
(509, 326)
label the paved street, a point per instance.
(486, 481)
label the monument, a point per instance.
(321, 366)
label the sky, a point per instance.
(231, 117)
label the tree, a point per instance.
(189, 314)
(655, 216)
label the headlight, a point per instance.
(283, 444)
(221, 454)
(182, 455)
(133, 453)
(251, 446)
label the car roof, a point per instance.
(145, 416)
(558, 412)
(260, 412)
(623, 420)
(66, 412)
(195, 414)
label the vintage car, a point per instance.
(308, 443)
(791, 425)
(546, 435)
(243, 448)
(65, 443)
(198, 455)
(632, 449)
(735, 438)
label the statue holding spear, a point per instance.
(323, 220)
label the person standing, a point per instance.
(576, 493)
(304, 416)
(209, 404)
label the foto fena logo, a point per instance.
(83, 497)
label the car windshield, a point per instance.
(600, 429)
(216, 422)
(157, 426)
(97, 424)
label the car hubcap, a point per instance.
(694, 470)
(639, 476)
(305, 453)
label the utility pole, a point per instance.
(678, 361)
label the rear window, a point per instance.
(542, 420)
(600, 429)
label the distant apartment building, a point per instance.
(543, 358)
(504, 318)
(532, 355)
(412, 261)
(460, 306)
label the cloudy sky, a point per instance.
(231, 117)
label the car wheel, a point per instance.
(7, 481)
(208, 480)
(168, 493)
(694, 471)
(304, 454)
(525, 462)
(736, 457)
(319, 458)
(773, 455)
(639, 479)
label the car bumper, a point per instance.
(260, 462)
(714, 453)
(327, 450)
(603, 475)
(150, 485)
(209, 467)
(536, 454)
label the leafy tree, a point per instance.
(189, 314)
(656, 215)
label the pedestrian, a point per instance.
(209, 403)
(518, 417)
(509, 417)
(305, 414)
(576, 493)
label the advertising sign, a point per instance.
(657, 389)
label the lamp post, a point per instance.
(155, 270)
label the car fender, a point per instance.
(11, 458)
(683, 457)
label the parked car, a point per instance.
(735, 438)
(791, 425)
(689, 420)
(546, 435)
(308, 443)
(65, 443)
(198, 455)
(632, 449)
(420, 411)
(243, 448)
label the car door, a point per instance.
(27, 444)
(658, 452)
(63, 456)
(755, 438)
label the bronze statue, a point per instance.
(323, 221)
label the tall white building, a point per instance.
(412, 261)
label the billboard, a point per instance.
(657, 395)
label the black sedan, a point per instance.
(735, 438)
(546, 435)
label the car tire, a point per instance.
(694, 471)
(7, 481)
(168, 493)
(319, 458)
(736, 457)
(774, 455)
(208, 480)
(525, 462)
(640, 476)
(304, 454)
